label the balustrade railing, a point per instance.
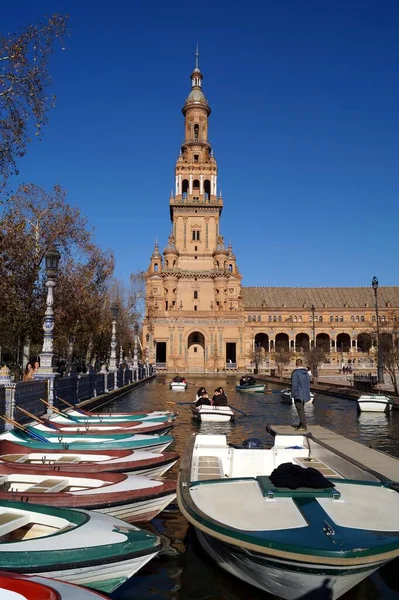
(73, 389)
(2, 407)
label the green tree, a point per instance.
(24, 79)
(314, 358)
(282, 358)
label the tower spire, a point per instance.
(197, 58)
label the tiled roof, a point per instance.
(321, 297)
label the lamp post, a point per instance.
(380, 368)
(312, 308)
(46, 369)
(112, 361)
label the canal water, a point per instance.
(183, 571)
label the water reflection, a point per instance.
(184, 571)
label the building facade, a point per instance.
(199, 318)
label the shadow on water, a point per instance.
(183, 571)
(324, 592)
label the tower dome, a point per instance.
(171, 247)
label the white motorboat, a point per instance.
(178, 385)
(286, 396)
(374, 403)
(292, 543)
(212, 414)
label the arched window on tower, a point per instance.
(231, 268)
(184, 188)
(196, 131)
(196, 186)
(207, 188)
(195, 295)
(156, 267)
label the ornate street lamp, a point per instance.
(380, 367)
(112, 361)
(46, 369)
(312, 308)
(135, 350)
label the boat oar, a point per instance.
(26, 430)
(8, 420)
(38, 419)
(184, 403)
(66, 402)
(238, 410)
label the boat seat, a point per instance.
(10, 521)
(209, 467)
(18, 458)
(270, 490)
(318, 465)
(48, 485)
(68, 459)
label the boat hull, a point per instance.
(374, 403)
(258, 388)
(285, 579)
(138, 462)
(133, 442)
(66, 591)
(81, 547)
(177, 386)
(213, 414)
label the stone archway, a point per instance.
(282, 342)
(262, 342)
(196, 352)
(343, 342)
(323, 342)
(364, 342)
(302, 342)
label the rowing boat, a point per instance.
(212, 414)
(31, 587)
(78, 546)
(139, 462)
(129, 497)
(34, 439)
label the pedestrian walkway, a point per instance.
(378, 463)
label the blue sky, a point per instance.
(304, 126)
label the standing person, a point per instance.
(300, 391)
(219, 397)
(28, 373)
(36, 367)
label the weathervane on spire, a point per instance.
(197, 58)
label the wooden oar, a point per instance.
(66, 402)
(53, 408)
(38, 419)
(33, 434)
(8, 420)
(238, 410)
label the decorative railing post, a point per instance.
(5, 381)
(46, 369)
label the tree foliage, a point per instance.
(24, 79)
(282, 358)
(32, 221)
(314, 358)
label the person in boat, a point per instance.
(183, 380)
(177, 379)
(219, 397)
(203, 399)
(247, 380)
(300, 391)
(199, 392)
